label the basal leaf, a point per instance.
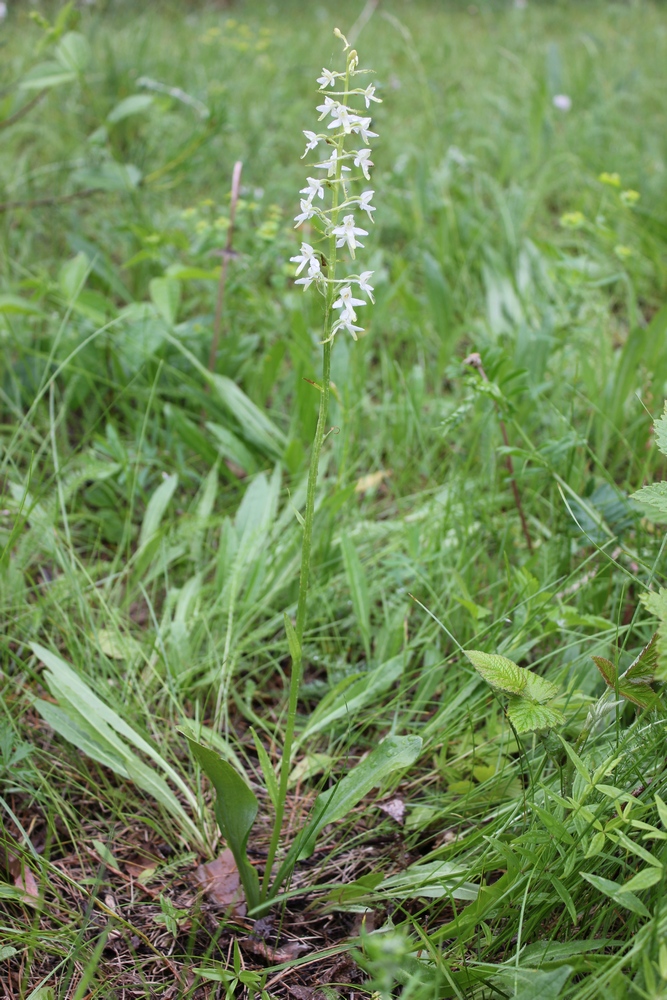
(526, 715)
(235, 810)
(498, 671)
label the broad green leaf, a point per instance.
(564, 894)
(255, 426)
(130, 106)
(527, 716)
(73, 52)
(157, 505)
(545, 985)
(644, 879)
(236, 808)
(15, 304)
(617, 893)
(229, 446)
(356, 579)
(46, 75)
(498, 671)
(654, 495)
(393, 754)
(166, 297)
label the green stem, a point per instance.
(297, 662)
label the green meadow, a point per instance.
(489, 799)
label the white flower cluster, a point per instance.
(339, 166)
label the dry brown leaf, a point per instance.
(287, 953)
(394, 808)
(221, 883)
(24, 879)
(372, 480)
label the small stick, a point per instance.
(226, 254)
(18, 115)
(6, 206)
(475, 361)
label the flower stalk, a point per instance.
(340, 306)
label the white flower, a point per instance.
(362, 281)
(348, 233)
(313, 274)
(362, 158)
(562, 102)
(307, 212)
(327, 79)
(347, 302)
(329, 107)
(313, 189)
(368, 95)
(346, 324)
(306, 256)
(365, 203)
(343, 118)
(330, 164)
(313, 140)
(361, 127)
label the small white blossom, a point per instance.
(314, 189)
(365, 203)
(348, 233)
(346, 324)
(347, 302)
(313, 140)
(328, 108)
(330, 164)
(368, 95)
(307, 212)
(314, 272)
(362, 158)
(361, 126)
(327, 79)
(342, 117)
(305, 257)
(562, 102)
(362, 281)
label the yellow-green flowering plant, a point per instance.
(332, 202)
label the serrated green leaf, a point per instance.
(643, 666)
(527, 716)
(660, 426)
(654, 495)
(607, 669)
(538, 688)
(236, 809)
(498, 671)
(656, 603)
(617, 893)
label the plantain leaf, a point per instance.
(618, 893)
(235, 810)
(498, 671)
(527, 715)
